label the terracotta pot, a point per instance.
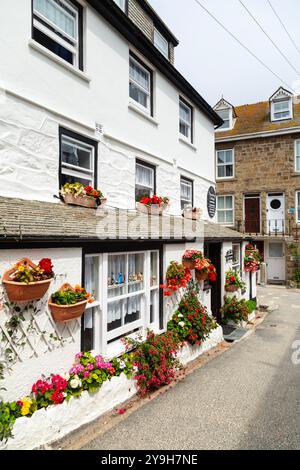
(201, 276)
(65, 313)
(83, 201)
(154, 209)
(21, 291)
(189, 264)
(231, 288)
(189, 214)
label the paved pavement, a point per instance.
(246, 398)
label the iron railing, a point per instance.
(269, 228)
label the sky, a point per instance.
(215, 64)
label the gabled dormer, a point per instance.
(227, 112)
(281, 105)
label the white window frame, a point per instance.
(164, 52)
(227, 224)
(225, 164)
(297, 156)
(290, 109)
(297, 207)
(189, 123)
(74, 49)
(146, 109)
(101, 336)
(230, 120)
(76, 171)
(236, 264)
(187, 182)
(121, 4)
(137, 185)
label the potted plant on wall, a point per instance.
(26, 281)
(233, 282)
(234, 310)
(68, 303)
(204, 269)
(79, 195)
(177, 276)
(190, 257)
(191, 213)
(154, 205)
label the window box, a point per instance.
(153, 205)
(193, 214)
(67, 312)
(26, 291)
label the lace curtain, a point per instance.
(56, 12)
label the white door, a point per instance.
(276, 262)
(275, 213)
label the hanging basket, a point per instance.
(65, 313)
(249, 252)
(21, 291)
(83, 201)
(201, 276)
(154, 209)
(189, 264)
(231, 288)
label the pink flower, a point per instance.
(90, 367)
(86, 374)
(79, 355)
(121, 411)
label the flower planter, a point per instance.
(154, 209)
(231, 288)
(189, 264)
(201, 276)
(83, 201)
(189, 214)
(65, 313)
(21, 291)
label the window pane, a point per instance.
(144, 176)
(225, 115)
(116, 274)
(135, 272)
(275, 250)
(53, 46)
(186, 190)
(281, 106)
(228, 156)
(221, 157)
(138, 95)
(140, 75)
(221, 171)
(161, 43)
(229, 217)
(121, 4)
(154, 269)
(153, 306)
(228, 202)
(184, 129)
(67, 178)
(91, 275)
(221, 201)
(133, 309)
(185, 112)
(114, 314)
(59, 13)
(77, 153)
(221, 217)
(298, 163)
(229, 170)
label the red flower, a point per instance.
(46, 265)
(57, 397)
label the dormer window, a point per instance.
(121, 4)
(226, 112)
(281, 104)
(161, 43)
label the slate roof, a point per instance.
(255, 117)
(22, 220)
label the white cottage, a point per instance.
(89, 93)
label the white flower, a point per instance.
(75, 383)
(181, 323)
(122, 365)
(180, 315)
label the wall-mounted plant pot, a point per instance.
(201, 276)
(21, 291)
(249, 252)
(189, 214)
(66, 313)
(154, 209)
(83, 201)
(189, 264)
(231, 288)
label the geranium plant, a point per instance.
(71, 296)
(176, 277)
(154, 200)
(78, 189)
(234, 309)
(205, 269)
(191, 321)
(192, 255)
(251, 263)
(233, 279)
(27, 273)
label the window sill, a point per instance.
(38, 47)
(188, 143)
(142, 113)
(296, 173)
(231, 178)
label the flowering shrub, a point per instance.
(191, 322)
(41, 272)
(251, 264)
(234, 309)
(233, 279)
(71, 296)
(204, 265)
(176, 277)
(154, 200)
(78, 189)
(192, 255)
(155, 361)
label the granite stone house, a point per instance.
(258, 177)
(89, 93)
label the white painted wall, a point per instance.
(29, 134)
(40, 355)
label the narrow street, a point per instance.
(247, 398)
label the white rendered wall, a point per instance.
(40, 355)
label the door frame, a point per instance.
(252, 196)
(267, 258)
(215, 287)
(278, 194)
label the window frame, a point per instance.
(227, 224)
(230, 120)
(184, 179)
(297, 170)
(273, 118)
(158, 33)
(297, 206)
(236, 266)
(187, 105)
(225, 164)
(146, 165)
(85, 140)
(79, 62)
(147, 110)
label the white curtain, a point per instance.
(139, 75)
(144, 176)
(65, 20)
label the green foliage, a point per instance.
(233, 279)
(68, 297)
(9, 412)
(191, 321)
(234, 309)
(296, 276)
(251, 304)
